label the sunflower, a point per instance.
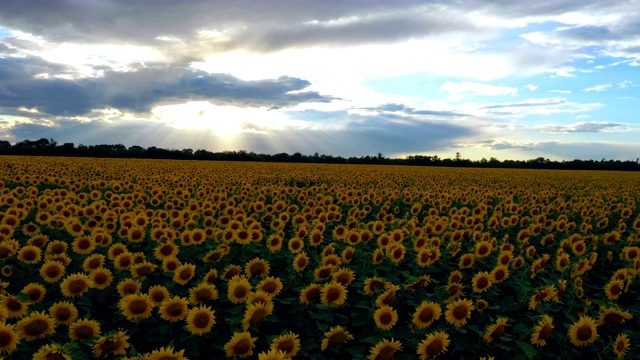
(481, 282)
(583, 331)
(323, 272)
(9, 338)
(101, 278)
(482, 249)
(238, 290)
(75, 285)
(481, 304)
(210, 276)
(396, 252)
(613, 316)
(115, 250)
(372, 284)
(301, 261)
(84, 329)
(52, 351)
(271, 285)
(295, 245)
(241, 345)
(123, 261)
(93, 262)
(35, 292)
(174, 309)
(377, 256)
(542, 331)
(128, 286)
(200, 320)
(166, 353)
(63, 312)
(613, 289)
(6, 271)
(343, 276)
(288, 343)
(158, 294)
(435, 344)
(385, 317)
(518, 262)
(499, 274)
(15, 308)
(257, 267)
(170, 264)
(620, 345)
(203, 292)
(255, 313)
(30, 254)
(6, 250)
(333, 294)
(384, 349)
(388, 296)
(347, 254)
(136, 306)
(458, 312)
(272, 355)
(454, 290)
(83, 245)
(418, 283)
(335, 336)
(495, 330)
(330, 260)
(184, 273)
(35, 326)
(311, 292)
(466, 261)
(426, 314)
(230, 272)
(113, 343)
(164, 251)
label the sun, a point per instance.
(226, 121)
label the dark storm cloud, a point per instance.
(365, 30)
(6, 50)
(139, 90)
(268, 25)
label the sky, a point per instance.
(507, 79)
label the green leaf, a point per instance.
(371, 340)
(528, 349)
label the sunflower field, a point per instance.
(155, 259)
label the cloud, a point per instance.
(580, 127)
(461, 90)
(540, 106)
(403, 109)
(139, 90)
(625, 84)
(529, 103)
(586, 150)
(561, 91)
(597, 88)
(354, 135)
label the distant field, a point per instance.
(141, 259)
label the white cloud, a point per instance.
(561, 91)
(531, 87)
(460, 90)
(625, 84)
(581, 127)
(597, 88)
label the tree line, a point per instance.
(50, 147)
